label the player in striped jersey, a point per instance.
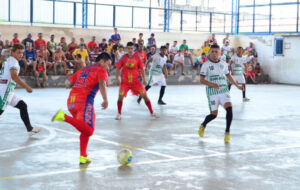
(213, 74)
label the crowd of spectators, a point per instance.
(42, 58)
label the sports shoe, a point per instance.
(201, 130)
(227, 137)
(161, 102)
(246, 99)
(155, 115)
(84, 160)
(118, 117)
(59, 116)
(34, 131)
(139, 100)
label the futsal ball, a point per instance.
(125, 157)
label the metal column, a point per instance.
(84, 14)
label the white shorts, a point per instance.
(219, 99)
(157, 79)
(12, 100)
(240, 79)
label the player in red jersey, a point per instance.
(130, 64)
(85, 84)
(142, 54)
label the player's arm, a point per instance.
(102, 86)
(117, 76)
(229, 77)
(148, 61)
(18, 80)
(165, 71)
(143, 77)
(205, 82)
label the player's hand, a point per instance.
(28, 89)
(144, 82)
(118, 82)
(104, 104)
(215, 86)
(240, 87)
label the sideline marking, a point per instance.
(146, 162)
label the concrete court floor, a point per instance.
(167, 152)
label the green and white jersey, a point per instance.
(215, 73)
(7, 85)
(158, 63)
(238, 65)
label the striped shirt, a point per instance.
(238, 65)
(215, 73)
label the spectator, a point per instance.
(141, 40)
(51, 45)
(259, 73)
(110, 46)
(151, 41)
(7, 44)
(140, 52)
(173, 51)
(103, 45)
(116, 36)
(1, 44)
(28, 41)
(83, 52)
(199, 62)
(255, 58)
(205, 48)
(94, 54)
(82, 43)
(92, 44)
(149, 55)
(250, 74)
(222, 56)
(250, 48)
(39, 69)
(43, 52)
(39, 42)
(78, 63)
(72, 46)
(136, 46)
(249, 58)
(15, 39)
(28, 58)
(59, 59)
(168, 49)
(63, 44)
(185, 49)
(115, 47)
(119, 54)
(226, 39)
(212, 40)
(226, 47)
(179, 60)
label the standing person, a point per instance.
(213, 74)
(15, 39)
(212, 40)
(39, 69)
(85, 84)
(116, 36)
(129, 65)
(51, 45)
(151, 41)
(238, 70)
(40, 41)
(28, 41)
(9, 79)
(158, 73)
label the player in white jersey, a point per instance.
(238, 69)
(158, 73)
(8, 80)
(214, 73)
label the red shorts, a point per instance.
(136, 88)
(82, 109)
(251, 74)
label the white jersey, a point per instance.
(227, 49)
(7, 85)
(215, 73)
(238, 65)
(222, 58)
(158, 63)
(173, 49)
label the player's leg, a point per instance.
(163, 84)
(139, 90)
(149, 84)
(213, 103)
(226, 102)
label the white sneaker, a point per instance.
(34, 131)
(246, 99)
(155, 115)
(118, 117)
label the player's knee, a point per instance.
(214, 113)
(229, 110)
(21, 105)
(1, 111)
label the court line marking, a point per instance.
(51, 136)
(147, 162)
(98, 138)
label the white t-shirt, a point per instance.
(7, 85)
(249, 59)
(174, 49)
(226, 49)
(158, 63)
(238, 65)
(215, 73)
(222, 57)
(178, 57)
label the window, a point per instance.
(278, 46)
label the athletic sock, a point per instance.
(148, 104)
(120, 104)
(208, 119)
(22, 106)
(244, 92)
(80, 125)
(162, 92)
(84, 140)
(228, 118)
(229, 87)
(147, 87)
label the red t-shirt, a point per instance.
(92, 45)
(142, 55)
(39, 42)
(86, 82)
(130, 67)
(15, 41)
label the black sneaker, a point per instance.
(161, 102)
(139, 100)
